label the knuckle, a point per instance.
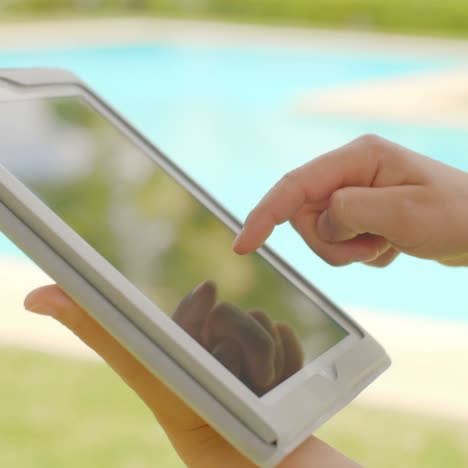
(256, 213)
(289, 179)
(370, 140)
(373, 145)
(283, 189)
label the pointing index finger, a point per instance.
(314, 182)
(276, 207)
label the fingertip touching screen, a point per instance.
(163, 240)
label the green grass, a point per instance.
(57, 412)
(449, 17)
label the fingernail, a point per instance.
(31, 299)
(329, 231)
(364, 257)
(325, 229)
(39, 309)
(33, 303)
(237, 239)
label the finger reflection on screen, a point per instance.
(262, 353)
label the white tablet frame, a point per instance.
(265, 429)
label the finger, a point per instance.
(354, 164)
(385, 259)
(193, 309)
(388, 212)
(363, 248)
(167, 407)
(226, 321)
(270, 327)
(293, 352)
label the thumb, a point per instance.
(358, 210)
(171, 412)
(52, 301)
(189, 433)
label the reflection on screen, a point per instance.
(240, 309)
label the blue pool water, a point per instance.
(226, 115)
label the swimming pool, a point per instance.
(226, 115)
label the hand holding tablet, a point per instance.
(197, 443)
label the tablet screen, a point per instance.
(162, 239)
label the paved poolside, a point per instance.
(437, 98)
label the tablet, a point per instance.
(246, 341)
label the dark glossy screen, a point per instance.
(245, 313)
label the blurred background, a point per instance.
(237, 93)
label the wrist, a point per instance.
(314, 452)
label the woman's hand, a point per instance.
(367, 202)
(197, 443)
